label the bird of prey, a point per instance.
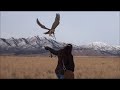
(54, 25)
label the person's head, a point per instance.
(68, 48)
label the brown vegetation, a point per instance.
(38, 67)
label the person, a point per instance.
(65, 61)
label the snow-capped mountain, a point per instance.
(35, 45)
(32, 45)
(100, 48)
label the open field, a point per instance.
(38, 67)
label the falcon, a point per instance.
(54, 25)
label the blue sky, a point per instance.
(77, 27)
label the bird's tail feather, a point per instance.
(46, 32)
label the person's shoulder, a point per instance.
(60, 51)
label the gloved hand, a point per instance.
(46, 47)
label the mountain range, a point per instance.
(35, 45)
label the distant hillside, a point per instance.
(35, 45)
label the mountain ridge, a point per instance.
(35, 45)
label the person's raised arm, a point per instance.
(51, 50)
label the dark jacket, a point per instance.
(64, 57)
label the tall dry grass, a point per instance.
(97, 67)
(38, 67)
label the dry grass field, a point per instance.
(38, 67)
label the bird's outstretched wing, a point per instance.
(56, 22)
(41, 25)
